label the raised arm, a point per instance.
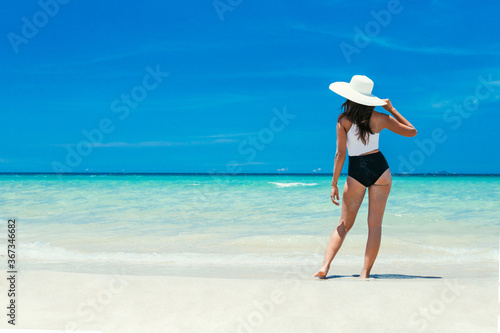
(397, 124)
(340, 156)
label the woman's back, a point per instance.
(355, 145)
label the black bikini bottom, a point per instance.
(367, 169)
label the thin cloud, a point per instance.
(247, 163)
(208, 101)
(439, 105)
(228, 135)
(309, 72)
(399, 45)
(307, 28)
(121, 144)
(76, 66)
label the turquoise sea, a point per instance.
(245, 226)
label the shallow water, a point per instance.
(253, 225)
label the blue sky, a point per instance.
(203, 86)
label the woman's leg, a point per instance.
(351, 200)
(377, 199)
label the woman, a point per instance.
(358, 129)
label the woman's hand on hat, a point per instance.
(388, 105)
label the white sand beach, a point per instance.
(293, 303)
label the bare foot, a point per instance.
(364, 274)
(322, 272)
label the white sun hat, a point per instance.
(359, 90)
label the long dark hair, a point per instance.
(360, 115)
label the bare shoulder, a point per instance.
(379, 116)
(378, 121)
(345, 123)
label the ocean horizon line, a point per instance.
(435, 174)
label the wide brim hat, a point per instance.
(359, 90)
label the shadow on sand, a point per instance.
(384, 276)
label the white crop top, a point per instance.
(354, 145)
